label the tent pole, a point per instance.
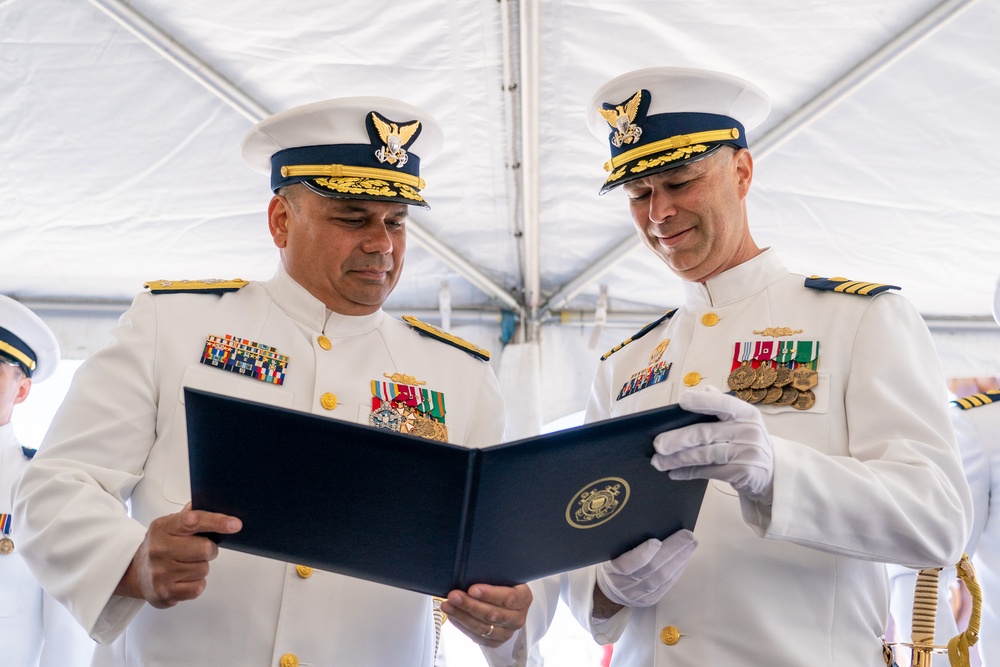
(183, 59)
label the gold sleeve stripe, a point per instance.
(670, 143)
(978, 400)
(339, 170)
(639, 334)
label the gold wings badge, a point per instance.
(621, 119)
(395, 138)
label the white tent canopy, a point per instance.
(121, 124)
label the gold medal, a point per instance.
(741, 378)
(772, 396)
(6, 546)
(804, 378)
(757, 395)
(782, 376)
(788, 396)
(744, 394)
(805, 400)
(764, 377)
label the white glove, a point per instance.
(736, 449)
(640, 577)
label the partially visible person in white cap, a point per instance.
(976, 417)
(833, 452)
(36, 631)
(152, 592)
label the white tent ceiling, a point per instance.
(121, 122)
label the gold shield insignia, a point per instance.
(597, 503)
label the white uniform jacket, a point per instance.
(35, 630)
(120, 437)
(867, 475)
(978, 429)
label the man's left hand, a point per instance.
(736, 449)
(489, 615)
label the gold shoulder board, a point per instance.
(846, 286)
(445, 337)
(978, 400)
(210, 286)
(639, 334)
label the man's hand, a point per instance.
(171, 564)
(489, 615)
(640, 577)
(736, 449)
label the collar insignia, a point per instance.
(394, 137)
(622, 118)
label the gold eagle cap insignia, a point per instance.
(621, 118)
(395, 138)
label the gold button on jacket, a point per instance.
(304, 571)
(709, 319)
(670, 635)
(324, 342)
(289, 660)
(692, 378)
(328, 401)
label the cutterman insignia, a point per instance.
(639, 334)
(847, 286)
(445, 337)
(978, 400)
(209, 286)
(778, 332)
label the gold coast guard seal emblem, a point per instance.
(597, 503)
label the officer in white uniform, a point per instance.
(833, 453)
(35, 630)
(976, 419)
(977, 426)
(312, 338)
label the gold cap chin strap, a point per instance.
(341, 170)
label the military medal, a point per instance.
(804, 379)
(742, 376)
(785, 374)
(6, 544)
(773, 394)
(404, 406)
(658, 351)
(805, 400)
(788, 396)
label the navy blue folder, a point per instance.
(430, 516)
